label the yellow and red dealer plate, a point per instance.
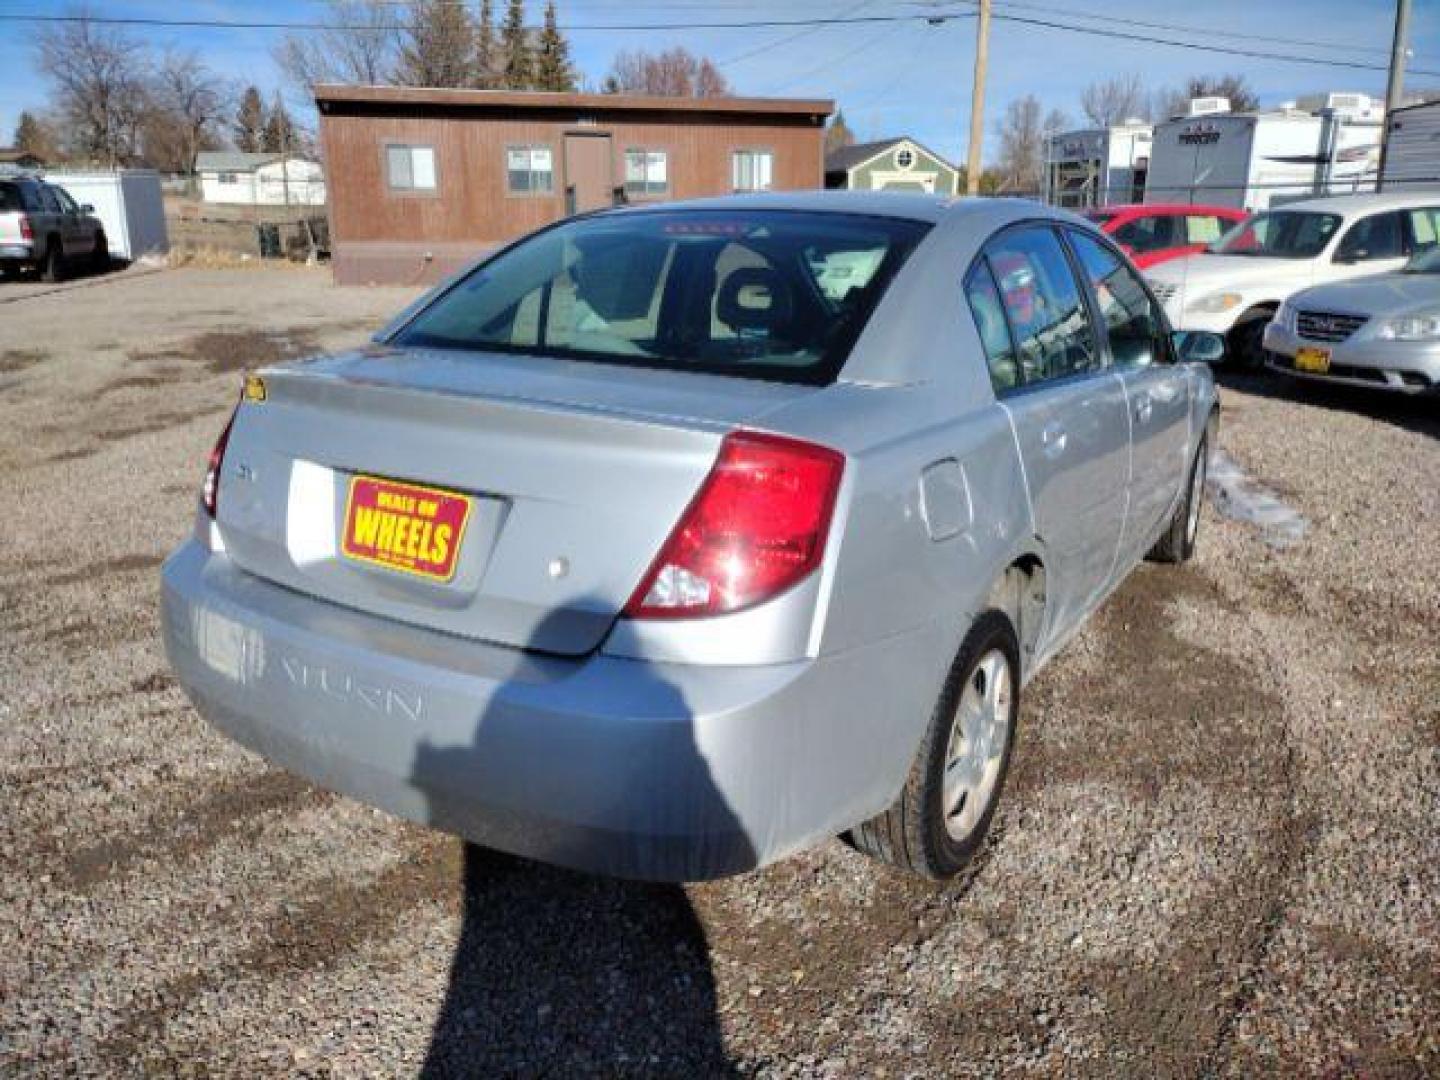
(405, 527)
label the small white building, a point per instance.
(128, 203)
(229, 176)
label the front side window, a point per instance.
(67, 204)
(1280, 234)
(647, 172)
(777, 295)
(1043, 305)
(1375, 237)
(752, 170)
(1145, 234)
(410, 168)
(1132, 322)
(529, 170)
(989, 312)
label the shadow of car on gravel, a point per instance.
(561, 972)
(1417, 413)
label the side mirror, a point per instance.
(86, 208)
(1198, 346)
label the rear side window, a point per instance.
(1424, 227)
(10, 198)
(989, 311)
(1133, 323)
(777, 295)
(1043, 305)
(1374, 237)
(1203, 228)
(48, 199)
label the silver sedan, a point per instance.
(1380, 331)
(669, 541)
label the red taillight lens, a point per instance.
(757, 526)
(27, 232)
(210, 490)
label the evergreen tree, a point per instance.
(280, 135)
(552, 64)
(517, 61)
(486, 48)
(838, 134)
(438, 48)
(250, 122)
(33, 136)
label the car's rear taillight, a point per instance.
(27, 231)
(210, 490)
(757, 526)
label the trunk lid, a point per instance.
(575, 474)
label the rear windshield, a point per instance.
(1280, 234)
(778, 295)
(10, 198)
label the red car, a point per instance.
(1154, 233)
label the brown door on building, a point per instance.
(588, 172)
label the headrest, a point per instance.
(754, 298)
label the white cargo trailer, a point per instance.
(1097, 166)
(128, 202)
(1249, 160)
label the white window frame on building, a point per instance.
(647, 172)
(752, 169)
(419, 173)
(529, 157)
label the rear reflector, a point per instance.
(210, 490)
(27, 232)
(756, 527)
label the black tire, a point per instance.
(100, 257)
(912, 834)
(1246, 341)
(53, 268)
(1177, 542)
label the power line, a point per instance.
(786, 39)
(932, 16)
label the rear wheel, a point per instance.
(1177, 542)
(944, 811)
(100, 257)
(53, 268)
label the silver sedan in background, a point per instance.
(671, 540)
(1380, 331)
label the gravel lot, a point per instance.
(1219, 854)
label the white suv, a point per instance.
(1236, 286)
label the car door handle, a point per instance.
(1143, 406)
(1053, 438)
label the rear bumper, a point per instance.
(17, 252)
(604, 764)
(1401, 366)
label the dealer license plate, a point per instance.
(1311, 359)
(404, 527)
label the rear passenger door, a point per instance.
(1067, 411)
(1157, 391)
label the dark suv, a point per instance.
(41, 226)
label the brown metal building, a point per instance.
(421, 181)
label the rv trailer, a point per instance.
(1095, 167)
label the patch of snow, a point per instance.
(1240, 497)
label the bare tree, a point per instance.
(249, 123)
(99, 78)
(363, 52)
(1108, 102)
(437, 47)
(187, 102)
(675, 72)
(1022, 132)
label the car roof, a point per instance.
(1166, 208)
(1365, 204)
(895, 204)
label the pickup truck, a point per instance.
(41, 226)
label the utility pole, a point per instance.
(977, 101)
(1395, 88)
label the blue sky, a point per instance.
(890, 78)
